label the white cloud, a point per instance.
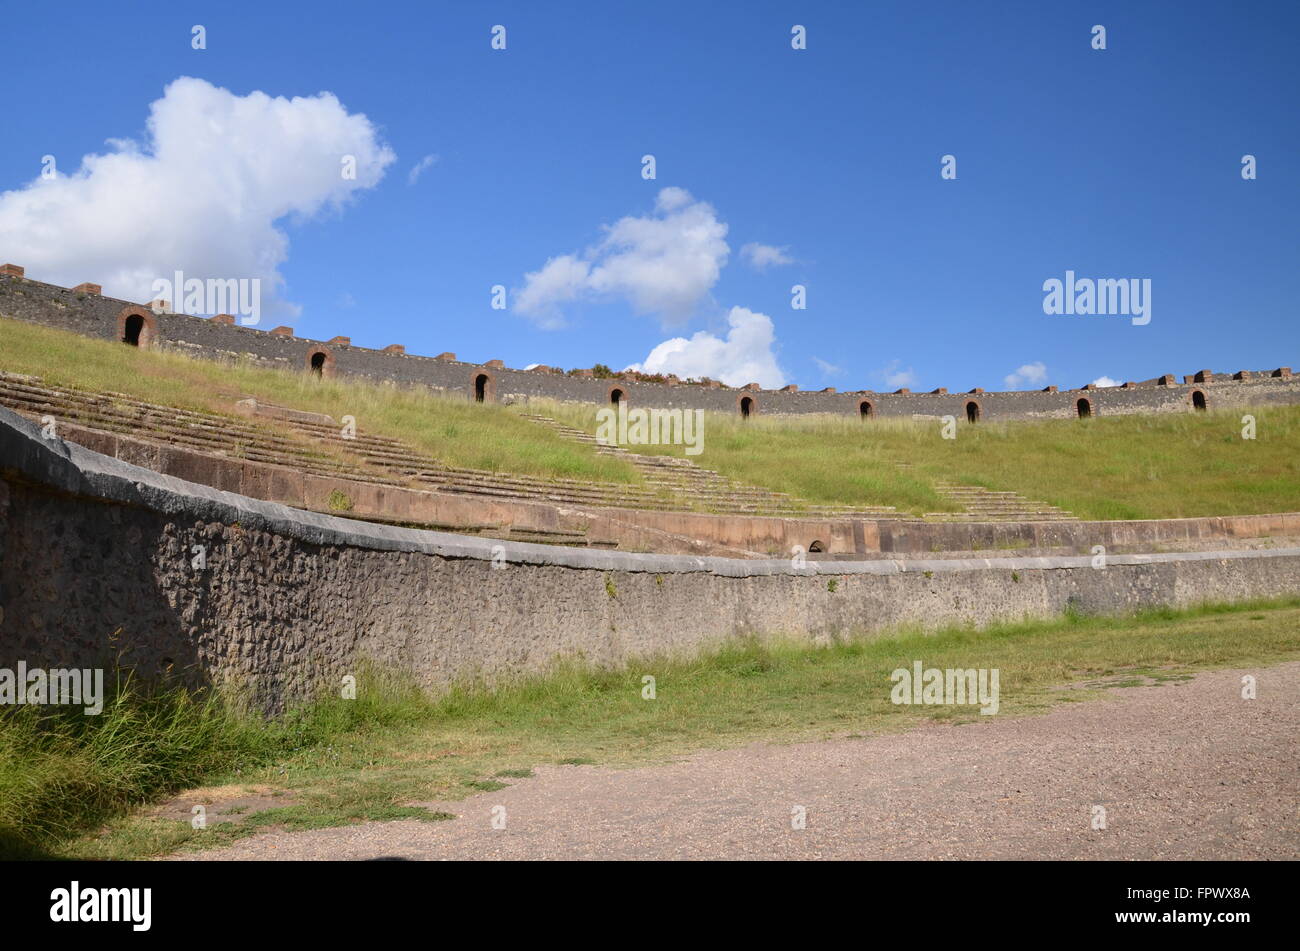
(1105, 381)
(763, 256)
(829, 369)
(664, 263)
(896, 378)
(201, 193)
(744, 356)
(672, 198)
(1030, 374)
(419, 168)
(560, 281)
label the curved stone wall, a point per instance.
(99, 559)
(93, 315)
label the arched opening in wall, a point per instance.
(131, 330)
(746, 406)
(866, 410)
(1084, 406)
(972, 412)
(136, 327)
(483, 385)
(616, 395)
(318, 361)
(816, 547)
(1198, 400)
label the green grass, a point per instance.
(62, 772)
(452, 430)
(1106, 467)
(70, 787)
(817, 459)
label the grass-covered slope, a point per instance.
(1106, 467)
(450, 429)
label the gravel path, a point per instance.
(1188, 770)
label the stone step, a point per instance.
(410, 461)
(1010, 508)
(199, 443)
(60, 402)
(975, 517)
(702, 488)
(671, 484)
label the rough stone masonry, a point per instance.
(102, 562)
(84, 311)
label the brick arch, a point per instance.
(488, 393)
(1084, 407)
(148, 325)
(866, 409)
(1198, 400)
(319, 358)
(746, 404)
(978, 410)
(620, 389)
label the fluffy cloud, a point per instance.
(563, 279)
(664, 263)
(1031, 374)
(201, 193)
(763, 256)
(1105, 381)
(744, 356)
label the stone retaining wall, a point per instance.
(97, 561)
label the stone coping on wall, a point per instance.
(75, 470)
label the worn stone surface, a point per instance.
(98, 562)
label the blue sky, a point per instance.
(1119, 163)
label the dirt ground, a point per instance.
(1187, 770)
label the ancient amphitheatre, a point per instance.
(243, 533)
